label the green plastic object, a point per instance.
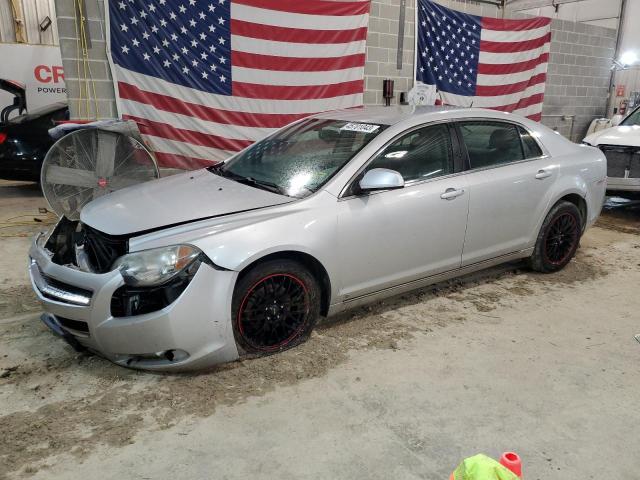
(481, 467)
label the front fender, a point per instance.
(307, 226)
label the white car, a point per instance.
(328, 213)
(621, 146)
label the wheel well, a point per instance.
(579, 202)
(314, 266)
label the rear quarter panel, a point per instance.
(582, 171)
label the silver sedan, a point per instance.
(328, 213)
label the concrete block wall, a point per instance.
(98, 75)
(382, 48)
(578, 76)
(577, 84)
(382, 44)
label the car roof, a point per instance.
(397, 114)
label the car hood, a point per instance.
(624, 135)
(174, 200)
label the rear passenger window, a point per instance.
(420, 155)
(491, 143)
(531, 147)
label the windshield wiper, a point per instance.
(262, 184)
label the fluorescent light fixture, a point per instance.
(628, 58)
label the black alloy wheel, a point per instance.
(561, 238)
(276, 305)
(558, 239)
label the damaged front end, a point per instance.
(81, 247)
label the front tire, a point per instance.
(275, 306)
(558, 239)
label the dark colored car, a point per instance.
(25, 140)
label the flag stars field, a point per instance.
(229, 73)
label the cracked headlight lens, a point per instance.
(156, 266)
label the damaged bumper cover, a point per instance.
(194, 331)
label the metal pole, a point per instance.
(623, 8)
(401, 17)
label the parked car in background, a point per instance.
(621, 146)
(25, 140)
(18, 103)
(328, 213)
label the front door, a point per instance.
(396, 236)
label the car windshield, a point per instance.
(633, 119)
(298, 160)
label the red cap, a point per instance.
(512, 461)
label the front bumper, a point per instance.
(619, 184)
(196, 327)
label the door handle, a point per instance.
(451, 193)
(543, 174)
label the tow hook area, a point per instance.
(52, 322)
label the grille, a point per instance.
(102, 249)
(622, 159)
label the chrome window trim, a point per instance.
(410, 183)
(543, 149)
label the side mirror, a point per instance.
(381, 179)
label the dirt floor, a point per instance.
(546, 365)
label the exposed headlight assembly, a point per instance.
(156, 266)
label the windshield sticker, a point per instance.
(360, 127)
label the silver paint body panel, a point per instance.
(372, 246)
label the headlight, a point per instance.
(156, 266)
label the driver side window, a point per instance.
(420, 155)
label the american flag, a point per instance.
(482, 61)
(206, 78)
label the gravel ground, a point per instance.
(68, 415)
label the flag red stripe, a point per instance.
(296, 64)
(536, 117)
(524, 102)
(296, 35)
(494, 90)
(287, 92)
(510, 47)
(502, 69)
(310, 7)
(158, 129)
(514, 25)
(210, 114)
(182, 161)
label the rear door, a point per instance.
(509, 180)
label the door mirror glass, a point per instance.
(381, 179)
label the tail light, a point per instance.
(3, 137)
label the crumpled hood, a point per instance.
(173, 200)
(624, 135)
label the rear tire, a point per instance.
(275, 306)
(558, 239)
